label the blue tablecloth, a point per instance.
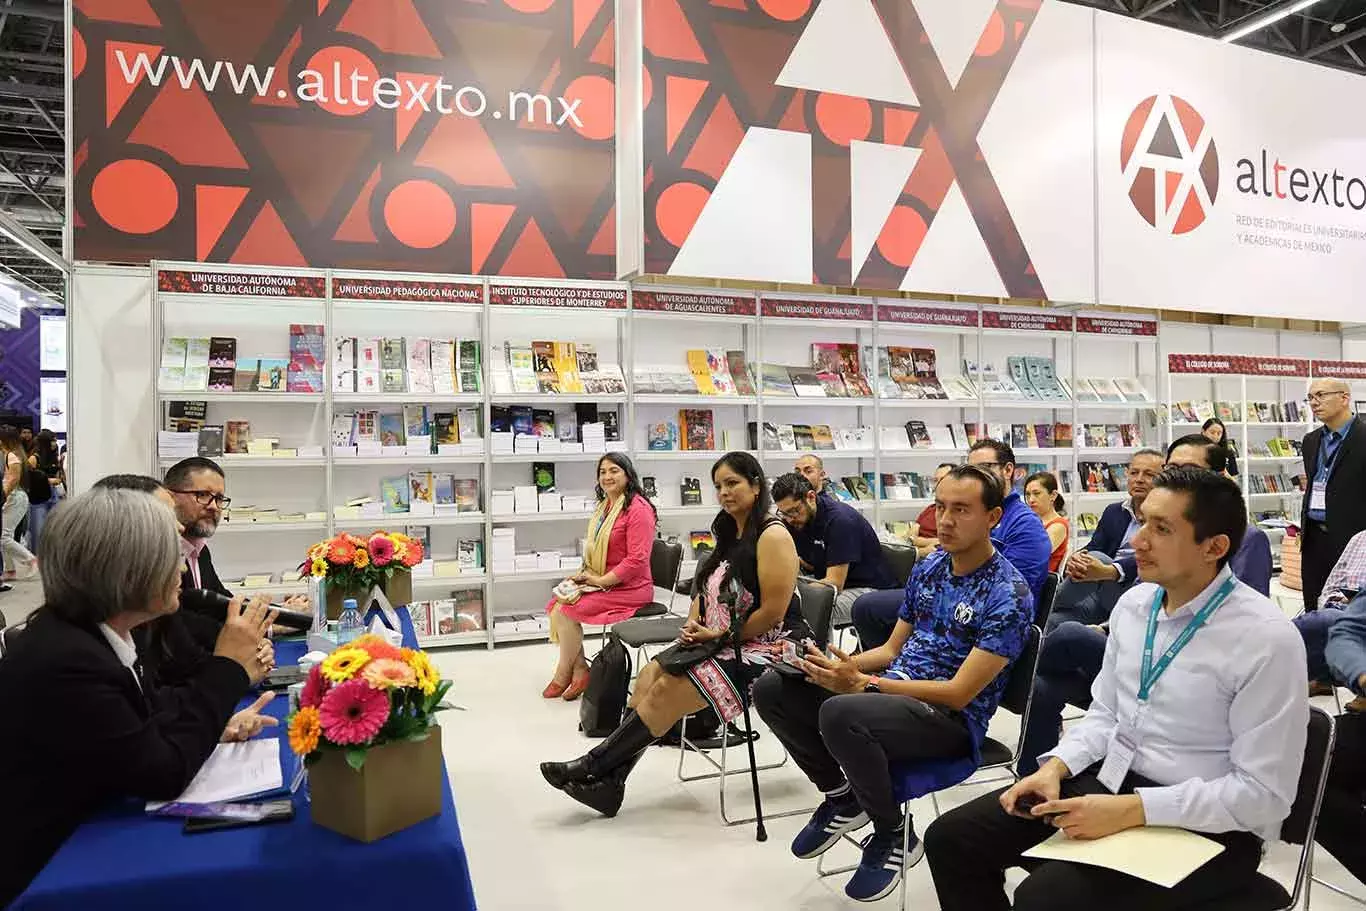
(126, 860)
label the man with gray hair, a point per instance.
(1334, 507)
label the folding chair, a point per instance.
(817, 603)
(900, 561)
(655, 623)
(1047, 593)
(1264, 893)
(920, 779)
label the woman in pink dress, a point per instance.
(615, 580)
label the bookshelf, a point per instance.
(637, 328)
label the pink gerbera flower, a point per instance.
(381, 550)
(353, 712)
(315, 687)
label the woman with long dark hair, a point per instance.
(46, 462)
(615, 580)
(752, 571)
(1215, 431)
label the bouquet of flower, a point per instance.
(352, 563)
(365, 694)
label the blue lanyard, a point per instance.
(1150, 673)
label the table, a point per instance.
(124, 859)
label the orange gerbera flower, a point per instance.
(341, 551)
(388, 674)
(377, 647)
(305, 729)
(361, 558)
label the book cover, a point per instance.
(787, 438)
(697, 429)
(444, 372)
(1044, 433)
(471, 368)
(1019, 375)
(367, 427)
(1043, 376)
(523, 420)
(415, 421)
(186, 417)
(421, 614)
(394, 381)
(221, 379)
(393, 354)
(776, 380)
(610, 380)
(467, 420)
(840, 492)
(858, 486)
(661, 436)
(469, 602)
(543, 476)
(445, 428)
(923, 361)
(852, 372)
(806, 382)
(196, 365)
(307, 352)
(901, 369)
(1113, 435)
(740, 373)
(1019, 437)
(567, 367)
(466, 494)
(648, 486)
(392, 430)
(700, 368)
(918, 434)
(833, 385)
(500, 419)
(587, 355)
(443, 618)
(246, 376)
(272, 374)
(973, 434)
(1000, 432)
(211, 441)
(1083, 391)
(222, 351)
(690, 491)
(804, 438)
(420, 487)
(611, 426)
(1133, 390)
(394, 493)
(719, 369)
(443, 489)
(1107, 390)
(522, 363)
(420, 365)
(543, 360)
(543, 422)
(236, 436)
(171, 377)
(825, 357)
(821, 436)
(343, 429)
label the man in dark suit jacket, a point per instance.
(1334, 507)
(1095, 577)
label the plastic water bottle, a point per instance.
(350, 625)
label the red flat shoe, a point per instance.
(576, 688)
(554, 690)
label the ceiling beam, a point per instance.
(24, 90)
(1340, 41)
(1156, 6)
(32, 10)
(21, 235)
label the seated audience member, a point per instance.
(1019, 536)
(1198, 722)
(1072, 652)
(924, 534)
(1041, 495)
(1342, 819)
(964, 618)
(1344, 582)
(621, 532)
(834, 542)
(812, 468)
(1095, 576)
(170, 646)
(753, 570)
(93, 728)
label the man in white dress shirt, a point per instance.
(1198, 721)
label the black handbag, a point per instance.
(604, 699)
(676, 659)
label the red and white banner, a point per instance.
(951, 317)
(1338, 370)
(689, 302)
(1205, 363)
(798, 308)
(241, 284)
(1026, 320)
(587, 297)
(1259, 365)
(1120, 326)
(407, 290)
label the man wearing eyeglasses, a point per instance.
(1334, 507)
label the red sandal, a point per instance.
(576, 688)
(554, 690)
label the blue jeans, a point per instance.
(1085, 602)
(1313, 629)
(1068, 663)
(37, 518)
(875, 615)
(1346, 648)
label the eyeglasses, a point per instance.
(1323, 396)
(796, 512)
(205, 497)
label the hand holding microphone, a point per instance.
(241, 636)
(211, 602)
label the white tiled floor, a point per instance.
(531, 847)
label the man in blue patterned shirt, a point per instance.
(965, 618)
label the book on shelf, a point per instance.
(418, 356)
(500, 419)
(804, 437)
(901, 370)
(196, 365)
(1087, 522)
(690, 491)
(697, 430)
(776, 380)
(416, 422)
(1132, 389)
(718, 365)
(467, 420)
(470, 366)
(366, 427)
(442, 357)
(1083, 391)
(521, 363)
(700, 370)
(445, 428)
(991, 382)
(611, 425)
(787, 438)
(523, 420)
(958, 388)
(420, 488)
(919, 435)
(858, 486)
(923, 360)
(806, 382)
(186, 417)
(543, 361)
(171, 375)
(832, 385)
(566, 364)
(542, 423)
(394, 494)
(661, 436)
(236, 436)
(1043, 376)
(393, 354)
(246, 376)
(543, 476)
(443, 489)
(210, 444)
(821, 437)
(1019, 374)
(273, 375)
(840, 492)
(740, 372)
(1204, 410)
(392, 430)
(307, 354)
(649, 487)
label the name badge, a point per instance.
(1118, 759)
(1318, 496)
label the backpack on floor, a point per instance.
(604, 701)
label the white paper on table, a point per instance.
(237, 770)
(1163, 856)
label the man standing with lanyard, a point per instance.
(1198, 722)
(1334, 506)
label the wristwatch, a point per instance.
(874, 685)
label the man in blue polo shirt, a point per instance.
(834, 541)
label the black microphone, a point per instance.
(208, 601)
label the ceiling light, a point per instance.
(1338, 28)
(1260, 22)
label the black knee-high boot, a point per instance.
(598, 778)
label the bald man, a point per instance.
(813, 469)
(1334, 506)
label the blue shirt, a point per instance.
(990, 608)
(839, 535)
(1329, 445)
(1021, 539)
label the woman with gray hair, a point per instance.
(85, 727)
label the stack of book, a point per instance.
(418, 429)
(440, 366)
(1277, 447)
(462, 612)
(562, 368)
(1274, 483)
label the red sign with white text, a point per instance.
(1258, 365)
(790, 308)
(1339, 370)
(688, 302)
(955, 317)
(1204, 363)
(1117, 325)
(587, 297)
(241, 284)
(1025, 321)
(380, 289)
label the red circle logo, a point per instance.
(1170, 164)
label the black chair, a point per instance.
(1264, 893)
(816, 600)
(1018, 698)
(655, 623)
(1047, 594)
(900, 560)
